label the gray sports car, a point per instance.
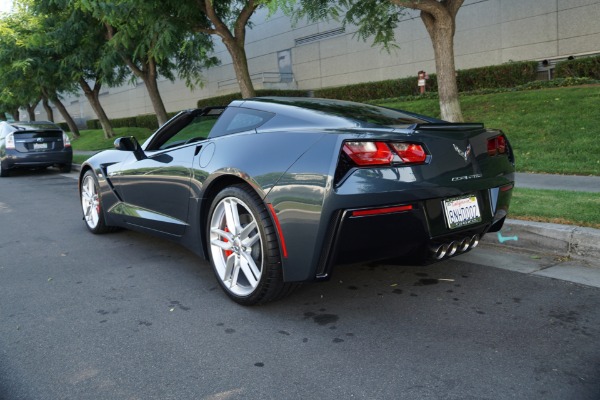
(276, 191)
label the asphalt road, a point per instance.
(127, 316)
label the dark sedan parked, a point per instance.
(275, 191)
(35, 144)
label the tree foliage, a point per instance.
(80, 41)
(378, 19)
(30, 67)
(92, 43)
(228, 20)
(152, 41)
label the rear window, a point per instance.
(35, 127)
(366, 115)
(238, 119)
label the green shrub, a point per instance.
(534, 85)
(557, 82)
(587, 67)
(141, 121)
(93, 124)
(366, 91)
(146, 121)
(228, 98)
(496, 76)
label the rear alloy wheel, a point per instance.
(91, 204)
(243, 247)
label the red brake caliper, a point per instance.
(227, 252)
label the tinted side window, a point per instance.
(196, 130)
(237, 119)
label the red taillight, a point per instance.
(501, 142)
(66, 140)
(410, 152)
(10, 141)
(496, 145)
(381, 153)
(368, 153)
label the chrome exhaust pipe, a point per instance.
(453, 247)
(440, 252)
(474, 241)
(464, 245)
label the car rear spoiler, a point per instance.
(452, 126)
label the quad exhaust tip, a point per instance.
(445, 250)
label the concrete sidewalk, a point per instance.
(558, 182)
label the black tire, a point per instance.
(91, 204)
(3, 171)
(245, 259)
(65, 168)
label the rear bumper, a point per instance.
(14, 159)
(417, 236)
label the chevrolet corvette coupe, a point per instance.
(276, 191)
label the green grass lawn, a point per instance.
(551, 130)
(93, 139)
(557, 206)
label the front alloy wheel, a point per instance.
(91, 205)
(241, 237)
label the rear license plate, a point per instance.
(461, 211)
(40, 146)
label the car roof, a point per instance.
(337, 112)
(29, 125)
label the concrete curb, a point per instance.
(559, 240)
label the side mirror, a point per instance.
(130, 143)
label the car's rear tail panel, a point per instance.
(411, 208)
(449, 201)
(38, 141)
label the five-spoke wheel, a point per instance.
(91, 205)
(240, 239)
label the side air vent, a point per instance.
(320, 36)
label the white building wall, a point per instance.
(488, 32)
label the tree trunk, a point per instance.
(15, 114)
(240, 66)
(66, 116)
(93, 96)
(157, 103)
(234, 41)
(31, 109)
(49, 112)
(149, 76)
(441, 31)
